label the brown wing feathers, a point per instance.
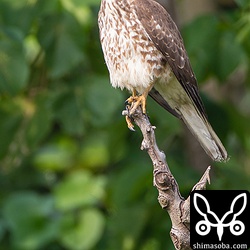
(165, 35)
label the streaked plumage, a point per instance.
(143, 47)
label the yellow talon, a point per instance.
(138, 101)
(135, 101)
(129, 123)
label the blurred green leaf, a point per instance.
(83, 232)
(10, 121)
(243, 27)
(57, 156)
(2, 228)
(238, 123)
(123, 233)
(40, 121)
(243, 3)
(28, 216)
(214, 52)
(151, 244)
(69, 111)
(32, 48)
(12, 57)
(60, 37)
(102, 100)
(139, 179)
(79, 188)
(79, 3)
(19, 13)
(79, 9)
(93, 147)
(201, 39)
(230, 55)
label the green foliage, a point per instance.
(225, 53)
(69, 193)
(72, 175)
(29, 219)
(84, 231)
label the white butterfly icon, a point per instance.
(236, 227)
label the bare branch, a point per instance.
(169, 196)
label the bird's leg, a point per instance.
(131, 100)
(140, 100)
(133, 97)
(135, 102)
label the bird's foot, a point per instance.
(133, 103)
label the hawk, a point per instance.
(145, 53)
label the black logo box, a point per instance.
(220, 202)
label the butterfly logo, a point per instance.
(210, 219)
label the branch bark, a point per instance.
(169, 196)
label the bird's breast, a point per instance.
(132, 59)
